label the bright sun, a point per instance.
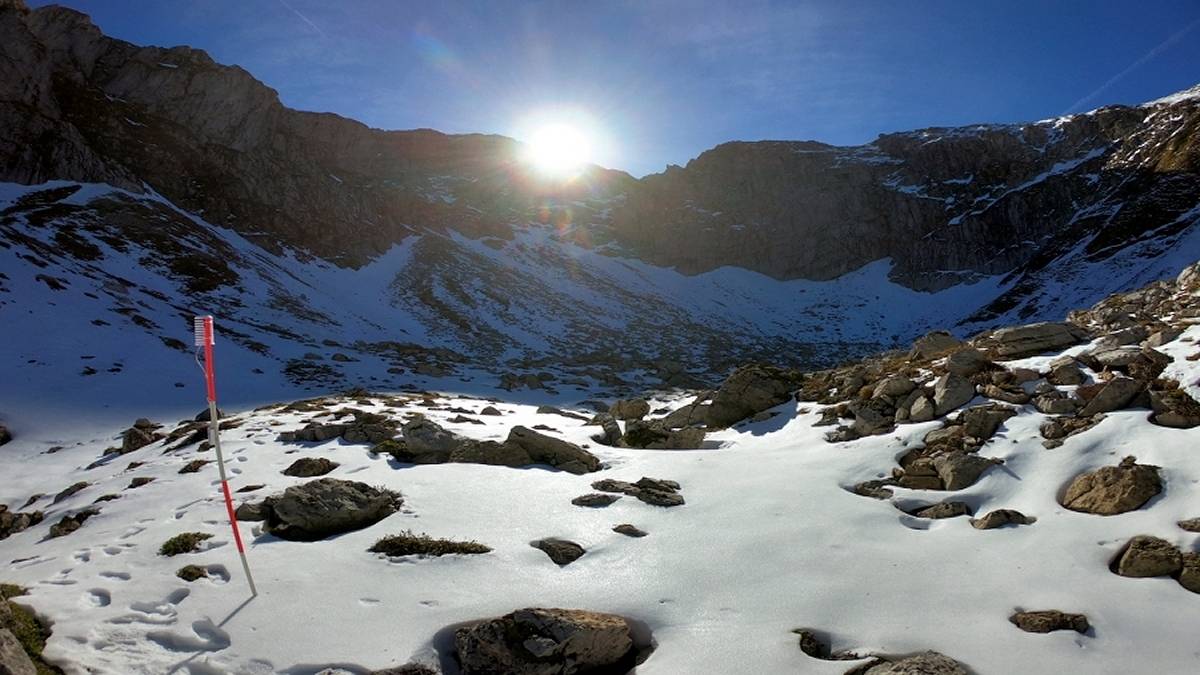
(558, 149)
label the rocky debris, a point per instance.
(1104, 397)
(1000, 518)
(1064, 371)
(561, 551)
(190, 573)
(1147, 556)
(1020, 341)
(629, 530)
(653, 491)
(1059, 428)
(942, 510)
(933, 344)
(749, 390)
(326, 506)
(1190, 525)
(14, 522)
(539, 641)
(551, 410)
(1111, 490)
(1162, 337)
(951, 391)
(1049, 620)
(630, 409)
(194, 466)
(307, 467)
(1174, 408)
(1139, 363)
(925, 663)
(967, 362)
(595, 499)
(366, 427)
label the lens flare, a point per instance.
(558, 149)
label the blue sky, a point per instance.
(658, 82)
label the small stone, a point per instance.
(1000, 518)
(307, 467)
(560, 551)
(944, 510)
(1046, 621)
(629, 530)
(595, 499)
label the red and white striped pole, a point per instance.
(203, 326)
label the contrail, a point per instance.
(305, 19)
(1148, 56)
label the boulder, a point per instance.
(1162, 337)
(873, 418)
(629, 530)
(1190, 525)
(967, 361)
(1112, 395)
(1147, 556)
(982, 421)
(951, 391)
(1000, 518)
(933, 344)
(1110, 490)
(12, 523)
(1036, 338)
(68, 524)
(1014, 395)
(1049, 620)
(555, 452)
(327, 506)
(1057, 403)
(925, 663)
(595, 499)
(630, 409)
(561, 551)
(136, 438)
(1064, 371)
(307, 467)
(610, 430)
(546, 642)
(426, 442)
(923, 410)
(1189, 576)
(749, 390)
(943, 510)
(894, 386)
(1174, 408)
(13, 659)
(959, 470)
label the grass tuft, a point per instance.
(407, 543)
(188, 542)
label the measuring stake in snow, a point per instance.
(204, 338)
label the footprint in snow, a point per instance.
(98, 597)
(119, 576)
(206, 637)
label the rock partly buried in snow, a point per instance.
(1064, 371)
(749, 390)
(982, 421)
(629, 530)
(12, 523)
(555, 452)
(365, 428)
(325, 507)
(1190, 525)
(943, 510)
(1110, 490)
(630, 409)
(546, 642)
(1108, 396)
(141, 434)
(13, 659)
(951, 391)
(68, 524)
(1049, 620)
(307, 467)
(653, 491)
(1189, 576)
(1174, 408)
(561, 551)
(1000, 518)
(595, 499)
(926, 663)
(933, 344)
(1032, 339)
(1147, 556)
(653, 435)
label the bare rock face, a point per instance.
(546, 642)
(1046, 621)
(1110, 490)
(325, 507)
(1147, 556)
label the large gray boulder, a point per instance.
(749, 390)
(1112, 395)
(630, 409)
(951, 391)
(327, 506)
(1111, 490)
(546, 642)
(1031, 339)
(558, 453)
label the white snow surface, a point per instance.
(768, 541)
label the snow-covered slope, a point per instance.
(769, 540)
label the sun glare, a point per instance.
(558, 149)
